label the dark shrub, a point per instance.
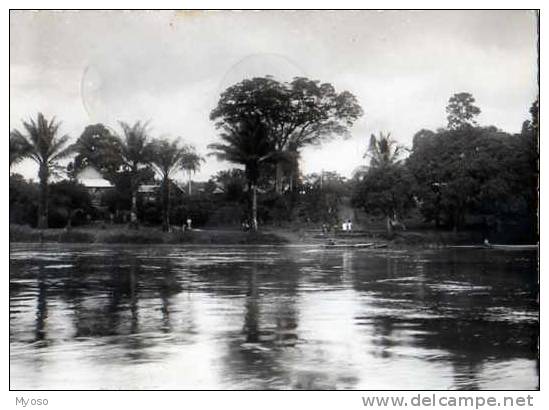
(23, 201)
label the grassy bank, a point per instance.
(269, 235)
(143, 235)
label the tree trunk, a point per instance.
(43, 175)
(254, 207)
(166, 205)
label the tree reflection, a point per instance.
(257, 356)
(261, 320)
(41, 304)
(104, 295)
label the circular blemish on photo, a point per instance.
(104, 90)
(90, 91)
(277, 66)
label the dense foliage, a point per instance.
(69, 203)
(460, 177)
(294, 114)
(463, 175)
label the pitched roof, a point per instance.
(91, 178)
(95, 183)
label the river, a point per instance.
(271, 317)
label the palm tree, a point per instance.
(383, 150)
(41, 144)
(247, 145)
(384, 153)
(17, 151)
(167, 158)
(191, 163)
(135, 155)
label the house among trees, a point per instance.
(95, 184)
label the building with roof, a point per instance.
(95, 184)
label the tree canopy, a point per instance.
(302, 111)
(97, 146)
(462, 111)
(468, 170)
(294, 114)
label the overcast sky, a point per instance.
(170, 67)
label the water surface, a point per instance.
(266, 317)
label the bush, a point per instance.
(68, 200)
(199, 208)
(23, 201)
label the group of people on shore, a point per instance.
(346, 226)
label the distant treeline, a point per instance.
(456, 177)
(459, 176)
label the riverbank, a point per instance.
(143, 235)
(227, 236)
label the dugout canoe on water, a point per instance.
(356, 245)
(498, 247)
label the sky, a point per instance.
(169, 68)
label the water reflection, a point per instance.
(41, 305)
(271, 318)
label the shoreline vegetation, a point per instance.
(464, 184)
(232, 236)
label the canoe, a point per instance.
(350, 245)
(514, 247)
(498, 247)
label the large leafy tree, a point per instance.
(468, 171)
(461, 110)
(529, 153)
(100, 147)
(246, 144)
(167, 158)
(294, 114)
(42, 143)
